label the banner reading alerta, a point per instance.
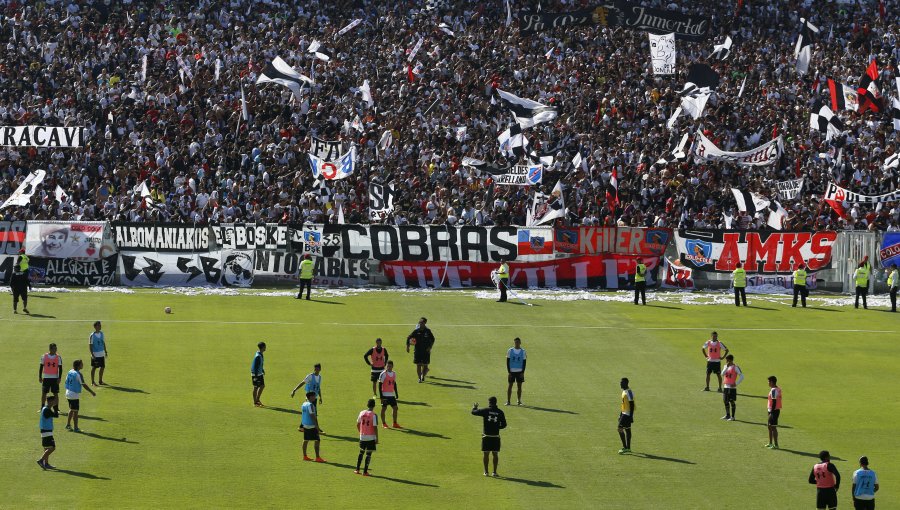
(760, 252)
(597, 271)
(620, 240)
(890, 249)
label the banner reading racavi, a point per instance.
(760, 251)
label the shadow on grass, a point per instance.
(79, 474)
(326, 302)
(90, 418)
(449, 380)
(423, 433)
(283, 410)
(425, 404)
(808, 454)
(340, 438)
(124, 389)
(458, 386)
(107, 438)
(32, 296)
(761, 308)
(824, 309)
(533, 483)
(549, 410)
(40, 316)
(521, 303)
(885, 310)
(763, 424)
(388, 478)
(658, 457)
(666, 307)
(753, 396)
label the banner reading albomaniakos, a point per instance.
(760, 252)
(164, 237)
(41, 136)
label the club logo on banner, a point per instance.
(332, 170)
(87, 240)
(41, 136)
(535, 241)
(161, 237)
(325, 150)
(890, 249)
(253, 236)
(521, 175)
(381, 200)
(237, 268)
(789, 190)
(760, 252)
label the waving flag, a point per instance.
(332, 170)
(869, 94)
(528, 113)
(280, 72)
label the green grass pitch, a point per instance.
(177, 428)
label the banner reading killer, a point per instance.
(414, 243)
(283, 266)
(760, 252)
(645, 242)
(890, 249)
(597, 271)
(165, 237)
(70, 272)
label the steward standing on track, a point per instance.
(862, 282)
(800, 285)
(739, 276)
(503, 280)
(640, 283)
(306, 275)
(893, 282)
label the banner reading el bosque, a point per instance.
(759, 251)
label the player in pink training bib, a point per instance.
(367, 425)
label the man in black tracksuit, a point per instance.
(19, 282)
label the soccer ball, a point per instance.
(168, 309)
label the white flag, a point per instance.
(741, 92)
(218, 68)
(244, 111)
(662, 53)
(415, 49)
(60, 194)
(340, 214)
(144, 70)
(366, 92)
(22, 195)
(577, 160)
(546, 208)
(348, 28)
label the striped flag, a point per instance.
(748, 202)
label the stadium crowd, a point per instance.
(180, 128)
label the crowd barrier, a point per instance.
(245, 255)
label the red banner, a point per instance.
(645, 242)
(606, 272)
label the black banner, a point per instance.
(162, 237)
(254, 236)
(537, 22)
(693, 27)
(413, 243)
(328, 150)
(52, 271)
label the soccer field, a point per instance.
(176, 428)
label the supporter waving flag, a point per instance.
(842, 96)
(869, 94)
(826, 122)
(803, 49)
(612, 191)
(280, 72)
(528, 113)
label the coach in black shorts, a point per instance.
(494, 422)
(422, 341)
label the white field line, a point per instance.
(379, 324)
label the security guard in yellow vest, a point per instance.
(800, 285)
(893, 282)
(640, 283)
(503, 280)
(306, 275)
(739, 276)
(862, 282)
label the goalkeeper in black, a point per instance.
(494, 421)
